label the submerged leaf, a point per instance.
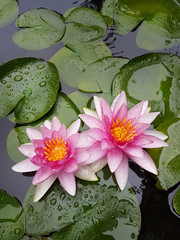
(41, 28)
(71, 62)
(8, 11)
(29, 86)
(87, 214)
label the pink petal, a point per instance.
(122, 112)
(33, 134)
(92, 122)
(55, 124)
(146, 162)
(121, 173)
(135, 111)
(73, 141)
(43, 187)
(67, 180)
(27, 150)
(37, 160)
(38, 143)
(148, 117)
(47, 124)
(134, 151)
(118, 102)
(25, 166)
(42, 174)
(70, 166)
(62, 132)
(114, 158)
(141, 140)
(90, 112)
(98, 107)
(81, 155)
(155, 143)
(156, 134)
(96, 153)
(144, 107)
(106, 110)
(141, 127)
(46, 133)
(73, 128)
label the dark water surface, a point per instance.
(159, 222)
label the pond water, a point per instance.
(159, 220)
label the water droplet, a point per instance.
(59, 218)
(76, 204)
(41, 66)
(62, 196)
(16, 231)
(34, 109)
(28, 107)
(42, 83)
(8, 86)
(133, 235)
(29, 116)
(1, 236)
(26, 73)
(86, 195)
(39, 73)
(10, 233)
(47, 76)
(59, 208)
(18, 78)
(53, 201)
(3, 81)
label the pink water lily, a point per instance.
(53, 153)
(119, 134)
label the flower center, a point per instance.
(122, 131)
(55, 150)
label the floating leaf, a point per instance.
(84, 25)
(64, 109)
(12, 224)
(153, 77)
(98, 75)
(29, 86)
(168, 159)
(87, 213)
(72, 62)
(41, 28)
(160, 26)
(8, 11)
(108, 11)
(176, 201)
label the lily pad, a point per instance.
(64, 109)
(161, 22)
(98, 75)
(39, 29)
(8, 11)
(108, 11)
(71, 62)
(153, 77)
(176, 201)
(29, 86)
(12, 224)
(86, 214)
(84, 25)
(79, 99)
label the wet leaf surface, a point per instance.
(8, 11)
(39, 29)
(29, 86)
(87, 214)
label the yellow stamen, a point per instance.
(55, 150)
(122, 131)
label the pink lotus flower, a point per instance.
(53, 153)
(120, 134)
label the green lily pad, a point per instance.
(8, 11)
(176, 201)
(41, 28)
(71, 62)
(29, 86)
(64, 109)
(87, 214)
(160, 26)
(12, 224)
(108, 11)
(98, 75)
(153, 77)
(84, 25)
(79, 99)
